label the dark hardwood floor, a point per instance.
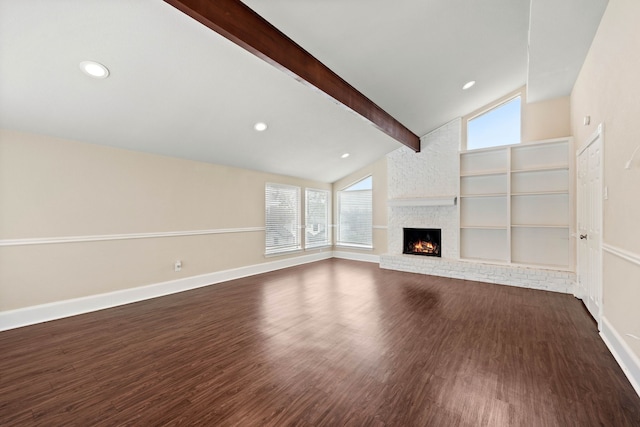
(332, 343)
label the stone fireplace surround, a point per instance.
(434, 172)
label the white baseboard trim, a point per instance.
(357, 256)
(623, 354)
(57, 310)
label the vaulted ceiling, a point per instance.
(179, 89)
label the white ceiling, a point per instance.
(559, 39)
(177, 88)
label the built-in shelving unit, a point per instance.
(516, 203)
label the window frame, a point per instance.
(327, 225)
(487, 109)
(339, 241)
(297, 226)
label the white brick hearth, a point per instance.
(524, 277)
(434, 172)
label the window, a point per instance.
(317, 218)
(498, 126)
(282, 220)
(355, 218)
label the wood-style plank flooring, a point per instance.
(333, 343)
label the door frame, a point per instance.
(598, 134)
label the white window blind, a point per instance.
(282, 219)
(355, 214)
(317, 218)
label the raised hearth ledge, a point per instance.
(424, 201)
(523, 277)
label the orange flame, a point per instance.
(426, 247)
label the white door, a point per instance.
(589, 212)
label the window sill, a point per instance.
(354, 246)
(282, 252)
(315, 248)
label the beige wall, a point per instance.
(608, 90)
(539, 120)
(58, 188)
(546, 119)
(378, 170)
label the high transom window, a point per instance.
(498, 126)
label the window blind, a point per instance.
(317, 232)
(282, 218)
(355, 217)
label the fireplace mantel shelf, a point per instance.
(424, 201)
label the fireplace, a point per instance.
(422, 241)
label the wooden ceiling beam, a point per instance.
(240, 24)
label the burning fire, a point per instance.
(425, 247)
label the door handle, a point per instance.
(583, 236)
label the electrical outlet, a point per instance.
(177, 266)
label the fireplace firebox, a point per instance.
(422, 241)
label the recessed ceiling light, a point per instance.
(94, 69)
(260, 126)
(467, 85)
(345, 155)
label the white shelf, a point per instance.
(482, 185)
(543, 168)
(484, 195)
(485, 244)
(486, 173)
(540, 155)
(423, 201)
(540, 209)
(541, 246)
(484, 162)
(515, 205)
(484, 211)
(538, 226)
(485, 227)
(540, 181)
(541, 193)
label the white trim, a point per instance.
(623, 354)
(357, 181)
(595, 136)
(57, 310)
(356, 256)
(622, 253)
(319, 247)
(354, 246)
(105, 237)
(423, 201)
(591, 140)
(281, 252)
(498, 104)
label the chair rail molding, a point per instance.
(128, 236)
